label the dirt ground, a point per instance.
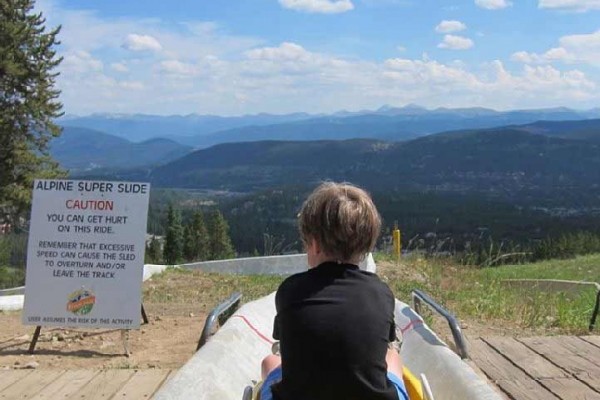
(167, 341)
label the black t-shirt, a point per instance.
(334, 323)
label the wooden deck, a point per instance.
(536, 368)
(541, 368)
(81, 384)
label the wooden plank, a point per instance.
(143, 384)
(104, 385)
(566, 352)
(11, 376)
(527, 389)
(30, 385)
(66, 384)
(595, 340)
(570, 389)
(582, 349)
(529, 361)
(505, 375)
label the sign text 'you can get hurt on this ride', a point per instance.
(85, 257)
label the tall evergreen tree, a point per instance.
(153, 251)
(220, 242)
(28, 104)
(196, 240)
(201, 237)
(173, 248)
(189, 244)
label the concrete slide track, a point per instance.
(230, 360)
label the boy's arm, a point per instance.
(276, 328)
(393, 336)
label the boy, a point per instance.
(334, 321)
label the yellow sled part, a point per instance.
(414, 389)
(257, 389)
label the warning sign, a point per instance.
(85, 256)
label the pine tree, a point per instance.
(201, 237)
(4, 252)
(28, 104)
(173, 249)
(196, 240)
(220, 243)
(153, 251)
(189, 244)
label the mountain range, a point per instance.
(507, 162)
(541, 160)
(79, 149)
(386, 123)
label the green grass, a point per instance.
(480, 294)
(181, 286)
(472, 293)
(11, 277)
(583, 268)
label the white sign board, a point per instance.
(85, 257)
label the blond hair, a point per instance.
(342, 219)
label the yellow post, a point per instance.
(397, 242)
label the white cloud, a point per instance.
(572, 5)
(288, 59)
(552, 55)
(318, 6)
(453, 42)
(285, 52)
(176, 67)
(583, 48)
(80, 62)
(450, 26)
(455, 86)
(385, 3)
(88, 31)
(131, 85)
(119, 67)
(202, 68)
(135, 42)
(493, 4)
(527, 58)
(416, 72)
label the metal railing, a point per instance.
(219, 315)
(459, 341)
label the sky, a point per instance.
(237, 57)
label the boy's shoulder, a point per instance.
(294, 280)
(306, 279)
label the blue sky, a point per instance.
(278, 56)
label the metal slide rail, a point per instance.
(459, 340)
(219, 315)
(12, 291)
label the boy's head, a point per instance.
(342, 219)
